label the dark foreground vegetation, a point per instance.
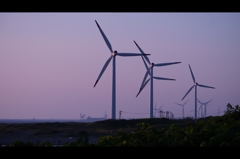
(218, 131)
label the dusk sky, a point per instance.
(49, 63)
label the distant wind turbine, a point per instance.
(200, 108)
(195, 85)
(112, 57)
(150, 73)
(182, 108)
(205, 106)
(158, 110)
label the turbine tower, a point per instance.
(150, 73)
(156, 110)
(182, 108)
(195, 85)
(112, 57)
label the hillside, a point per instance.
(60, 132)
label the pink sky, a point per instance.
(49, 63)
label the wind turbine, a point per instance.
(82, 116)
(158, 110)
(195, 85)
(182, 108)
(150, 73)
(113, 58)
(200, 108)
(205, 106)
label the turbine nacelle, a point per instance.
(151, 65)
(114, 53)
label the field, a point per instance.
(58, 133)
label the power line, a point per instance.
(134, 113)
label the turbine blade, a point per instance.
(208, 101)
(145, 83)
(143, 87)
(161, 78)
(131, 54)
(191, 73)
(178, 104)
(185, 102)
(205, 86)
(138, 92)
(103, 69)
(199, 101)
(145, 76)
(142, 53)
(145, 63)
(198, 112)
(199, 107)
(161, 106)
(104, 37)
(188, 92)
(165, 64)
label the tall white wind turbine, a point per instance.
(182, 107)
(195, 85)
(112, 57)
(150, 73)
